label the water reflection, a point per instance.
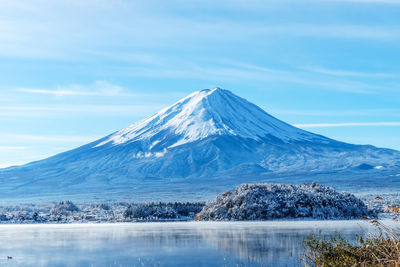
(162, 244)
(261, 246)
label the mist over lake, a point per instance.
(273, 243)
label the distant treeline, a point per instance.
(161, 210)
(68, 212)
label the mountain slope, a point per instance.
(206, 113)
(209, 137)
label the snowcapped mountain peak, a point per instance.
(206, 113)
(199, 95)
(214, 140)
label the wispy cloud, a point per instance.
(143, 26)
(347, 31)
(336, 113)
(12, 148)
(29, 147)
(233, 71)
(45, 138)
(346, 124)
(391, 2)
(89, 109)
(347, 73)
(54, 92)
(98, 88)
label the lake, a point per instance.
(272, 243)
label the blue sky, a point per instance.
(73, 71)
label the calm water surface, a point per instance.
(276, 243)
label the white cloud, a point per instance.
(346, 31)
(78, 30)
(54, 92)
(98, 88)
(117, 109)
(12, 148)
(346, 124)
(43, 138)
(336, 113)
(347, 73)
(392, 2)
(233, 71)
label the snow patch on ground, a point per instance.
(143, 155)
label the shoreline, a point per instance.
(304, 223)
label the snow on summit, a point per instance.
(206, 113)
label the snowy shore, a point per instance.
(250, 202)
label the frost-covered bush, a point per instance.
(64, 208)
(102, 206)
(270, 201)
(162, 210)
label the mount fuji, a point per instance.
(205, 143)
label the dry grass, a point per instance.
(381, 248)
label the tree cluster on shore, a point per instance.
(273, 201)
(68, 212)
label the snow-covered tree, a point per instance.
(270, 201)
(64, 208)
